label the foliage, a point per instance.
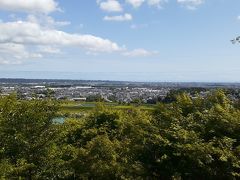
(94, 98)
(183, 139)
(26, 136)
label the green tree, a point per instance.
(27, 134)
(106, 144)
(201, 139)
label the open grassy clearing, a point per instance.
(75, 107)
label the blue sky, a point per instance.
(137, 40)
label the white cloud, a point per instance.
(238, 17)
(156, 3)
(138, 3)
(49, 50)
(110, 6)
(23, 40)
(135, 3)
(9, 62)
(191, 4)
(125, 17)
(18, 51)
(32, 6)
(139, 26)
(3, 62)
(46, 21)
(139, 53)
(23, 32)
(12, 53)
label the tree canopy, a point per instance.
(184, 139)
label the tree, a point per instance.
(236, 40)
(27, 134)
(201, 139)
(106, 144)
(184, 139)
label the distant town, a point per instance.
(108, 91)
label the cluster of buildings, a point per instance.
(107, 91)
(85, 93)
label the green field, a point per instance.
(77, 107)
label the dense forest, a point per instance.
(183, 139)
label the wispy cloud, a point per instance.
(125, 17)
(135, 3)
(138, 26)
(138, 3)
(22, 40)
(110, 5)
(38, 35)
(191, 4)
(140, 53)
(30, 6)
